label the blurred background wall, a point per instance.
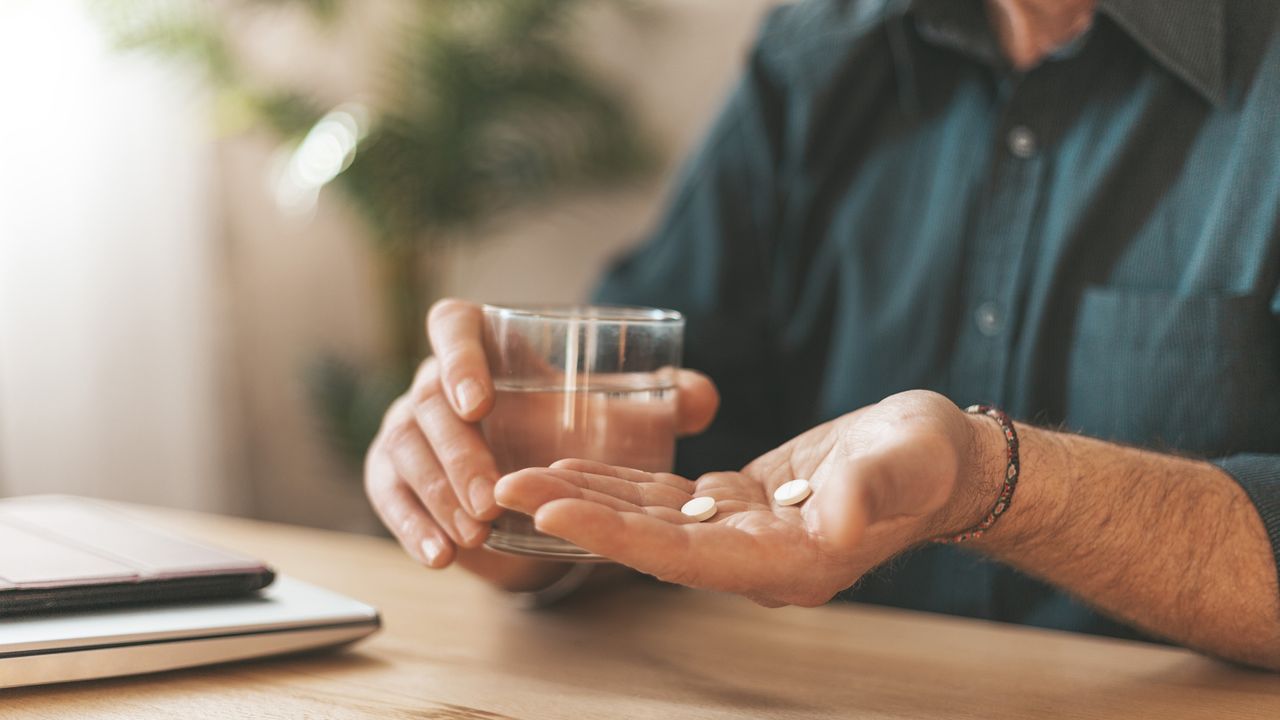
(157, 308)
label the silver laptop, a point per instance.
(87, 591)
(288, 616)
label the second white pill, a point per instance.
(792, 492)
(700, 508)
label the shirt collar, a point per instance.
(1185, 36)
(961, 26)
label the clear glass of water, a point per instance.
(596, 383)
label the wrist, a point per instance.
(981, 462)
(1040, 502)
(982, 472)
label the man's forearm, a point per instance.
(1167, 544)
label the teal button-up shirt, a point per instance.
(884, 204)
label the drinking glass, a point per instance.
(596, 383)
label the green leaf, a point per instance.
(480, 106)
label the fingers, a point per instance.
(455, 328)
(416, 465)
(431, 507)
(403, 514)
(625, 473)
(460, 450)
(732, 491)
(527, 490)
(633, 539)
(698, 401)
(691, 553)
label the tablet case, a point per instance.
(63, 553)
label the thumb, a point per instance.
(843, 509)
(894, 481)
(698, 401)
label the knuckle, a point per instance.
(389, 506)
(427, 371)
(433, 420)
(427, 416)
(406, 450)
(402, 440)
(375, 489)
(459, 448)
(410, 528)
(439, 496)
(426, 383)
(454, 450)
(459, 359)
(379, 476)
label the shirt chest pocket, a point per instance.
(1197, 374)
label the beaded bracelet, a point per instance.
(1010, 477)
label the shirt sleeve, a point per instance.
(708, 259)
(1259, 476)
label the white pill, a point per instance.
(792, 492)
(700, 508)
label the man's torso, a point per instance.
(1095, 244)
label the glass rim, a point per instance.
(634, 314)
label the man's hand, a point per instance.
(1168, 544)
(430, 474)
(884, 478)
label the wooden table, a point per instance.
(453, 648)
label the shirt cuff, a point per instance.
(1259, 476)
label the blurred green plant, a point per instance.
(481, 106)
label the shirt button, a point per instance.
(1022, 142)
(989, 319)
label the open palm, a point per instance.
(880, 477)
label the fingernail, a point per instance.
(481, 494)
(468, 393)
(432, 548)
(468, 528)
